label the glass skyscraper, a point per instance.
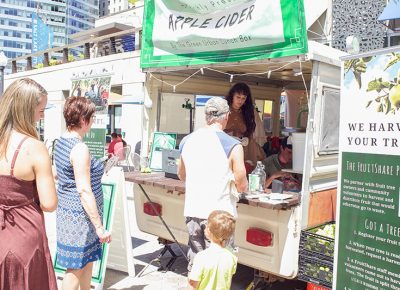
(64, 17)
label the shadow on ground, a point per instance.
(150, 268)
(137, 242)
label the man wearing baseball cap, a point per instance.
(275, 163)
(212, 167)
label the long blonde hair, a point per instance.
(17, 110)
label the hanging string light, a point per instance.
(231, 76)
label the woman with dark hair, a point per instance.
(80, 230)
(241, 122)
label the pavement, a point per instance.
(150, 271)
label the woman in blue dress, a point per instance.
(80, 230)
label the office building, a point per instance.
(64, 17)
(107, 7)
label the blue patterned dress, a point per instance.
(77, 241)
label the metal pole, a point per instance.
(164, 223)
(1, 80)
(191, 120)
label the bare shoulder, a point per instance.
(34, 147)
(80, 150)
(237, 150)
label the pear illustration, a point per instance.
(394, 96)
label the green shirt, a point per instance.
(214, 268)
(272, 165)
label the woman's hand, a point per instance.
(104, 235)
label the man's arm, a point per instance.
(276, 175)
(271, 170)
(239, 171)
(181, 169)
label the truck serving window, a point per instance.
(174, 116)
(329, 130)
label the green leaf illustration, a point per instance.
(387, 105)
(373, 85)
(357, 76)
(393, 60)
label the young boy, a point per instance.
(214, 267)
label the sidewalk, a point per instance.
(145, 249)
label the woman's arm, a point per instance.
(44, 177)
(80, 159)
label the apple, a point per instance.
(394, 96)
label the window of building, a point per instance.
(174, 118)
(265, 109)
(31, 4)
(114, 121)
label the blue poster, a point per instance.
(42, 37)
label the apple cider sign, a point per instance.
(367, 252)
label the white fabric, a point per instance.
(208, 175)
(259, 132)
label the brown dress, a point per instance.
(25, 261)
(236, 127)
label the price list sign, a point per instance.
(367, 252)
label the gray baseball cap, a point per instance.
(216, 106)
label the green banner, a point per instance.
(99, 267)
(368, 240)
(369, 231)
(183, 32)
(95, 139)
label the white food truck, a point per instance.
(267, 234)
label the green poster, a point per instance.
(99, 267)
(183, 32)
(95, 139)
(368, 231)
(96, 88)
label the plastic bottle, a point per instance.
(257, 178)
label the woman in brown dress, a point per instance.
(241, 122)
(26, 190)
